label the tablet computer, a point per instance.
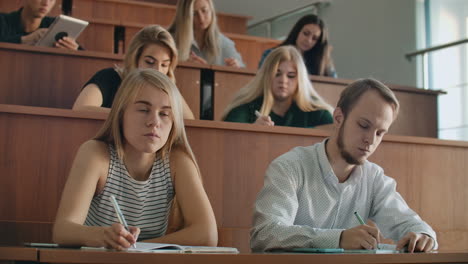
(63, 26)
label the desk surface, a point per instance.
(81, 256)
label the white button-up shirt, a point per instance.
(302, 204)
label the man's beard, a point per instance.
(345, 154)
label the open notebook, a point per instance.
(381, 249)
(173, 248)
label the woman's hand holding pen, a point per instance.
(263, 120)
(117, 237)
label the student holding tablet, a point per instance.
(141, 156)
(152, 47)
(30, 23)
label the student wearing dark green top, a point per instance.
(280, 94)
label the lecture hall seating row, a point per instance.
(38, 146)
(132, 12)
(100, 35)
(113, 23)
(48, 77)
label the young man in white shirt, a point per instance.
(310, 194)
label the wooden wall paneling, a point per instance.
(227, 83)
(98, 36)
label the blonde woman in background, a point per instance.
(152, 47)
(280, 94)
(141, 156)
(196, 33)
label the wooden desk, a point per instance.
(418, 113)
(251, 48)
(9, 254)
(37, 146)
(147, 13)
(50, 77)
(81, 256)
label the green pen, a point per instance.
(359, 218)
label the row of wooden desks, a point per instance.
(108, 257)
(48, 77)
(38, 145)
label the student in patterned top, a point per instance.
(310, 193)
(151, 48)
(282, 93)
(141, 156)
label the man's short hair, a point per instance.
(355, 90)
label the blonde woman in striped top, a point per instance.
(141, 156)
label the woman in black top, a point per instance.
(152, 47)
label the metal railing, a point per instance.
(425, 58)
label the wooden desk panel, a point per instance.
(147, 13)
(104, 257)
(49, 77)
(251, 48)
(418, 113)
(18, 254)
(430, 173)
(226, 85)
(98, 36)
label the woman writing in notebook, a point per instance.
(310, 36)
(280, 95)
(198, 39)
(152, 47)
(141, 156)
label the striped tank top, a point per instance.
(145, 204)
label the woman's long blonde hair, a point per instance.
(112, 130)
(182, 29)
(152, 34)
(306, 98)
